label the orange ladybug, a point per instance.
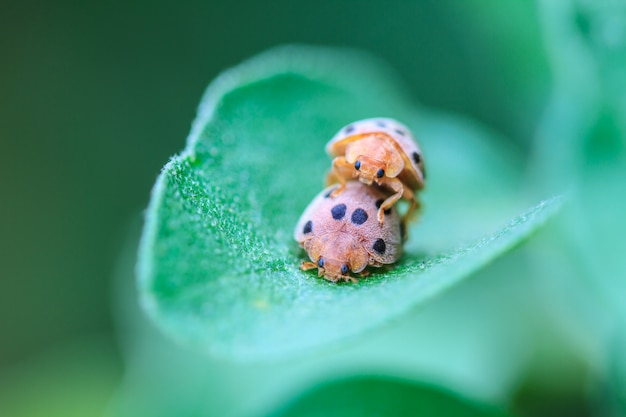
(341, 235)
(381, 151)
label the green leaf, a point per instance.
(378, 396)
(218, 267)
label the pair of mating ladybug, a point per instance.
(353, 224)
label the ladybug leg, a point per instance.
(348, 278)
(331, 178)
(396, 185)
(341, 170)
(413, 207)
(306, 265)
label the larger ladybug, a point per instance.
(381, 151)
(341, 234)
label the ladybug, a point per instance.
(341, 234)
(381, 151)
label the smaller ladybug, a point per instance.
(378, 150)
(341, 234)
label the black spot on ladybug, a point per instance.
(416, 158)
(349, 129)
(338, 211)
(359, 216)
(379, 203)
(379, 246)
(308, 227)
(381, 124)
(399, 132)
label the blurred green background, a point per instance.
(94, 98)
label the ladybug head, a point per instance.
(337, 255)
(332, 268)
(373, 158)
(368, 169)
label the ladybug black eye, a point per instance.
(345, 269)
(320, 263)
(380, 173)
(357, 165)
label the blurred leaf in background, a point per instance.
(75, 379)
(395, 397)
(581, 142)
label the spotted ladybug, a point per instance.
(342, 236)
(381, 151)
